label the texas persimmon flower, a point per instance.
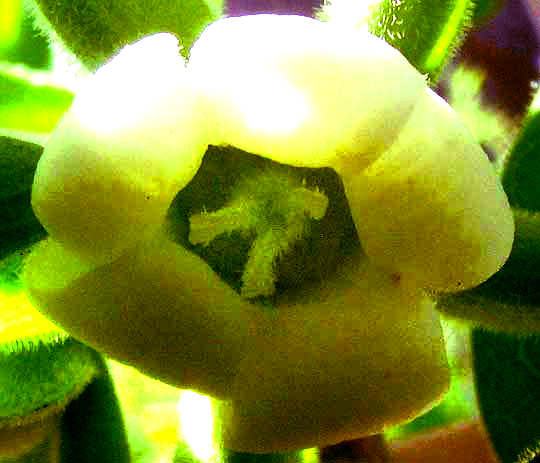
(358, 352)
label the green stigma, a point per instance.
(276, 208)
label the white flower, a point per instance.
(364, 350)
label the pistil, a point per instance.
(276, 209)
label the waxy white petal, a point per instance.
(358, 356)
(431, 206)
(352, 357)
(134, 136)
(303, 92)
(158, 307)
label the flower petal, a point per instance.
(301, 91)
(158, 307)
(349, 359)
(133, 137)
(432, 206)
(364, 355)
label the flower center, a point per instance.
(273, 206)
(264, 227)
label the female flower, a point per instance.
(361, 351)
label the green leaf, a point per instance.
(24, 44)
(425, 31)
(95, 30)
(484, 10)
(10, 22)
(93, 427)
(19, 227)
(521, 174)
(507, 377)
(42, 373)
(509, 300)
(27, 104)
(49, 375)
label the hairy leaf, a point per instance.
(95, 30)
(425, 31)
(42, 371)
